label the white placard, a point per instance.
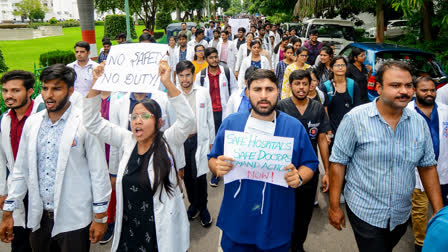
(258, 157)
(132, 68)
(237, 23)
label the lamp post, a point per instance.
(128, 25)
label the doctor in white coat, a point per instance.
(64, 170)
(198, 144)
(254, 58)
(183, 47)
(169, 215)
(231, 51)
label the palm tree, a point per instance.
(86, 17)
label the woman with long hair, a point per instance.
(323, 67)
(296, 43)
(299, 64)
(359, 72)
(150, 210)
(282, 65)
(199, 61)
(243, 52)
(278, 53)
(172, 47)
(255, 59)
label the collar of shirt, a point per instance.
(433, 112)
(63, 117)
(214, 75)
(132, 97)
(89, 63)
(13, 115)
(374, 111)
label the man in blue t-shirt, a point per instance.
(258, 216)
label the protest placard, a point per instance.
(237, 23)
(132, 68)
(258, 157)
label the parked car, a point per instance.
(341, 32)
(394, 28)
(423, 63)
(174, 29)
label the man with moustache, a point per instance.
(436, 116)
(198, 144)
(312, 115)
(64, 170)
(106, 48)
(258, 216)
(83, 67)
(377, 147)
(17, 88)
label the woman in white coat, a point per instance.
(150, 210)
(243, 52)
(255, 59)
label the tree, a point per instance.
(108, 5)
(26, 7)
(37, 14)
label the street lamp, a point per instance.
(128, 26)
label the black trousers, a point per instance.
(217, 117)
(21, 241)
(196, 186)
(374, 239)
(72, 241)
(305, 196)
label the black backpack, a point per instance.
(226, 71)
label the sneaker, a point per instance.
(206, 219)
(109, 234)
(214, 181)
(192, 212)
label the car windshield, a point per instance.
(423, 64)
(334, 31)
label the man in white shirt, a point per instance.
(83, 67)
(442, 95)
(198, 39)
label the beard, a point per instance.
(269, 111)
(23, 103)
(61, 105)
(300, 98)
(425, 101)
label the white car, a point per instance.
(394, 28)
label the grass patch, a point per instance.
(23, 54)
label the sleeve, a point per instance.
(218, 145)
(239, 59)
(286, 88)
(307, 156)
(184, 124)
(233, 84)
(324, 126)
(101, 188)
(344, 142)
(356, 95)
(242, 72)
(428, 156)
(278, 71)
(229, 106)
(325, 92)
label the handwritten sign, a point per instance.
(237, 23)
(132, 68)
(258, 157)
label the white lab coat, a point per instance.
(205, 126)
(442, 162)
(210, 44)
(192, 43)
(190, 54)
(81, 179)
(223, 85)
(275, 58)
(234, 103)
(242, 54)
(442, 95)
(7, 162)
(246, 64)
(172, 226)
(119, 115)
(231, 55)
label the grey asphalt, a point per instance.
(322, 236)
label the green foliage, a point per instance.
(3, 67)
(163, 19)
(234, 9)
(278, 18)
(37, 14)
(159, 34)
(24, 8)
(109, 5)
(115, 24)
(57, 56)
(99, 23)
(53, 20)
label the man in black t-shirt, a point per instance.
(313, 117)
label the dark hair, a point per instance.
(423, 79)
(161, 152)
(299, 75)
(249, 72)
(250, 33)
(26, 77)
(59, 72)
(389, 65)
(302, 49)
(228, 26)
(289, 47)
(354, 53)
(146, 29)
(321, 67)
(146, 37)
(265, 25)
(333, 61)
(242, 29)
(209, 51)
(183, 23)
(277, 47)
(259, 74)
(184, 65)
(106, 41)
(295, 40)
(255, 41)
(211, 21)
(196, 47)
(328, 43)
(327, 49)
(226, 32)
(314, 71)
(120, 36)
(292, 29)
(314, 32)
(82, 44)
(182, 35)
(173, 37)
(216, 31)
(198, 32)
(253, 26)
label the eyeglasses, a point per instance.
(200, 51)
(144, 116)
(303, 56)
(339, 66)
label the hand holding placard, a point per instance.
(223, 165)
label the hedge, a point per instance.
(115, 24)
(3, 67)
(163, 19)
(58, 56)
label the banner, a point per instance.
(237, 23)
(132, 68)
(258, 157)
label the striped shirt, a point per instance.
(381, 163)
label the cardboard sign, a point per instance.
(132, 68)
(237, 23)
(258, 157)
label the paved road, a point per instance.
(322, 236)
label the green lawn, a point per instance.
(22, 54)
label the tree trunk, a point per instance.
(86, 18)
(379, 22)
(214, 9)
(427, 11)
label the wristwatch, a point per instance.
(101, 220)
(300, 181)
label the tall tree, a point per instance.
(24, 8)
(108, 5)
(86, 18)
